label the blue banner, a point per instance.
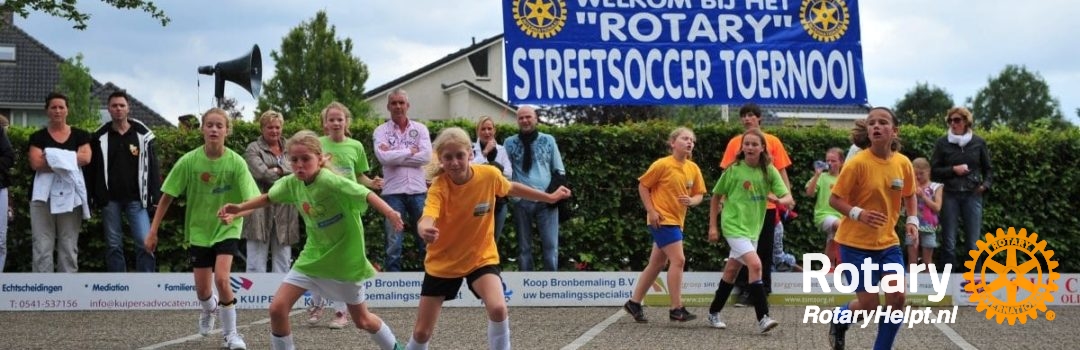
(683, 52)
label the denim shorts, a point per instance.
(666, 234)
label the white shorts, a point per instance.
(827, 226)
(350, 293)
(740, 247)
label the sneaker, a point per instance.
(716, 322)
(836, 335)
(314, 313)
(234, 341)
(635, 310)
(681, 314)
(339, 321)
(766, 324)
(206, 321)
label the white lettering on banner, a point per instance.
(890, 283)
(647, 27)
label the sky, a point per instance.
(955, 45)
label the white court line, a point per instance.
(195, 337)
(954, 337)
(594, 331)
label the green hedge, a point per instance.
(1034, 179)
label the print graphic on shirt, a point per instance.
(215, 183)
(481, 209)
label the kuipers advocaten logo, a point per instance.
(1018, 253)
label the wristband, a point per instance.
(854, 213)
(913, 220)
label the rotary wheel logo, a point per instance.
(1014, 246)
(824, 20)
(540, 19)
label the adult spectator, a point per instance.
(403, 147)
(750, 115)
(58, 202)
(124, 181)
(961, 161)
(486, 150)
(535, 157)
(270, 232)
(7, 160)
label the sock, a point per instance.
(384, 337)
(227, 313)
(499, 334)
(341, 307)
(281, 343)
(722, 294)
(886, 334)
(846, 306)
(761, 303)
(413, 345)
(209, 304)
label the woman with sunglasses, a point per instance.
(961, 161)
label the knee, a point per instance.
(221, 281)
(497, 313)
(368, 323)
(897, 301)
(421, 335)
(279, 310)
(676, 263)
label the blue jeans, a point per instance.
(500, 217)
(139, 220)
(411, 207)
(954, 206)
(547, 222)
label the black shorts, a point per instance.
(206, 256)
(449, 287)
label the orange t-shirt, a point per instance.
(776, 150)
(667, 179)
(874, 184)
(465, 217)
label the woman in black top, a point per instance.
(961, 161)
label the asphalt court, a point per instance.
(531, 328)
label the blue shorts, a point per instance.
(666, 234)
(856, 256)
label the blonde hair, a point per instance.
(269, 116)
(920, 164)
(310, 140)
(447, 137)
(341, 107)
(963, 112)
(223, 113)
(480, 123)
(678, 131)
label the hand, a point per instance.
(873, 218)
(684, 200)
(560, 193)
(653, 219)
(384, 147)
(980, 189)
(414, 149)
(377, 183)
(228, 209)
(227, 219)
(396, 222)
(429, 234)
(912, 232)
(714, 235)
(151, 242)
(960, 169)
(489, 147)
(772, 198)
(817, 171)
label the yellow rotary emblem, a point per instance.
(540, 19)
(1014, 245)
(824, 20)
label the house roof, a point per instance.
(433, 66)
(36, 73)
(486, 94)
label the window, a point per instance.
(479, 62)
(7, 53)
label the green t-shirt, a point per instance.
(207, 185)
(347, 156)
(822, 208)
(746, 192)
(331, 207)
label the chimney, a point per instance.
(7, 18)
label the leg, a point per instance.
(887, 330)
(648, 276)
(489, 288)
(282, 256)
(948, 217)
(523, 218)
(227, 302)
(392, 263)
(427, 315)
(68, 226)
(500, 217)
(971, 208)
(114, 237)
(415, 203)
(723, 291)
(256, 255)
(765, 250)
(547, 222)
(139, 220)
(676, 262)
(286, 295)
(375, 327)
(912, 254)
(43, 229)
(928, 256)
(3, 226)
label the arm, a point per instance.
(153, 181)
(519, 190)
(869, 217)
(984, 162)
(811, 186)
(36, 156)
(939, 170)
(911, 227)
(375, 184)
(935, 203)
(83, 154)
(243, 209)
(653, 217)
(7, 154)
(786, 200)
(715, 206)
(395, 218)
(151, 238)
(259, 170)
(504, 159)
(427, 230)
(787, 182)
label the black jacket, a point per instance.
(7, 159)
(149, 174)
(975, 154)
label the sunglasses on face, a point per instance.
(955, 120)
